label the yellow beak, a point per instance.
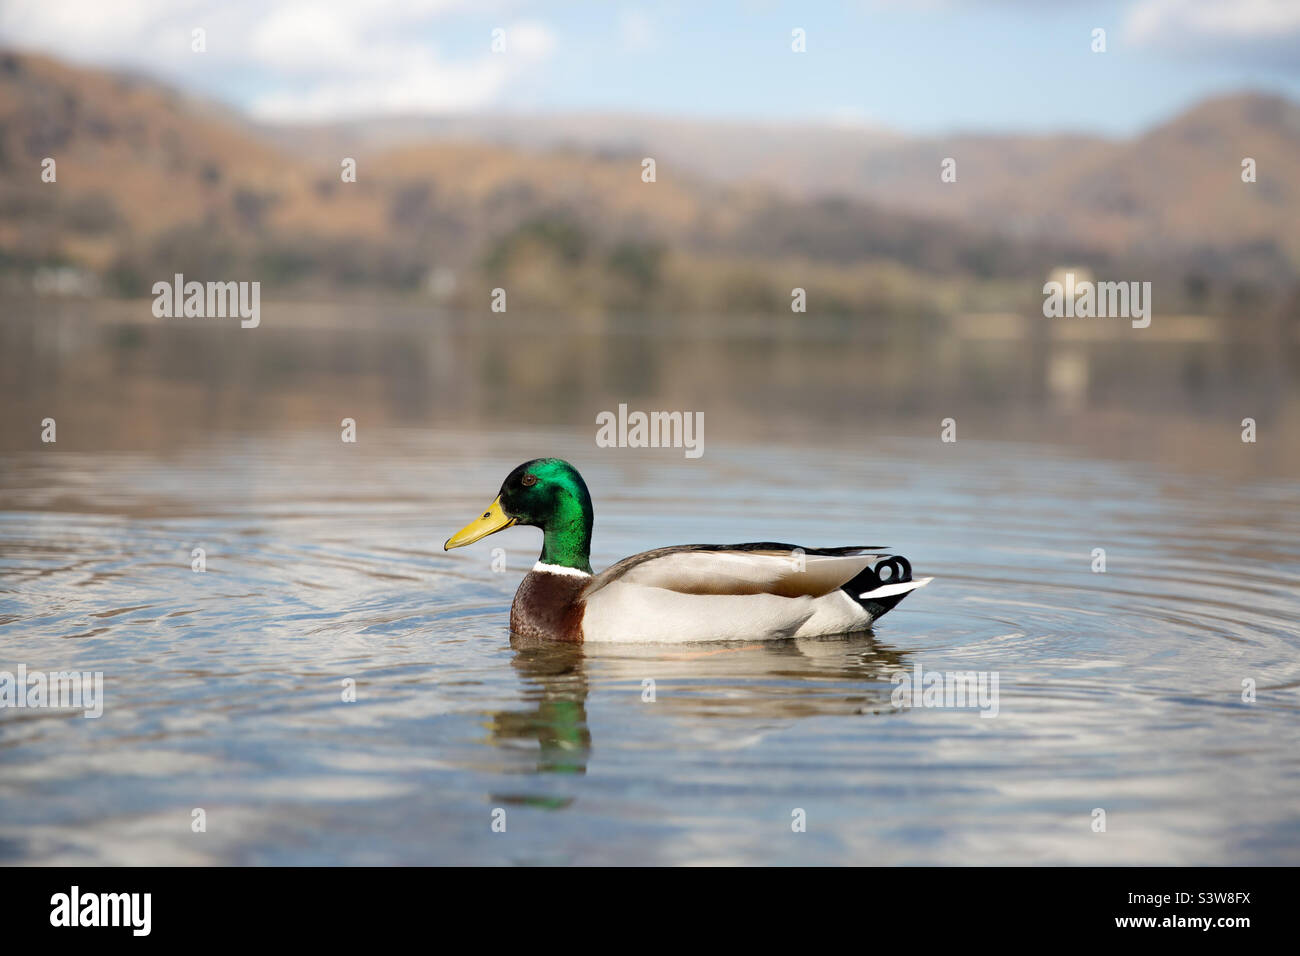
(490, 522)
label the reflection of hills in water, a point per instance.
(1146, 392)
(779, 680)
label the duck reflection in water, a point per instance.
(763, 681)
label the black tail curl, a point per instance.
(894, 569)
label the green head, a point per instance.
(547, 493)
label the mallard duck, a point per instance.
(691, 592)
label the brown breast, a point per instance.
(549, 607)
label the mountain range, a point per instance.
(151, 181)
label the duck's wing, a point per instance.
(764, 567)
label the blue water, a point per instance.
(1120, 691)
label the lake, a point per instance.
(1163, 691)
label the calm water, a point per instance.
(1120, 691)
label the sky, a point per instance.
(917, 66)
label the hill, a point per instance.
(152, 182)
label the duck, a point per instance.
(681, 594)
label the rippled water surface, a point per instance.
(1120, 690)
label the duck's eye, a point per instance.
(529, 480)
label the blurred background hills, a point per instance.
(153, 181)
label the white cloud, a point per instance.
(301, 61)
(637, 31)
(849, 118)
(530, 39)
(1257, 29)
(416, 88)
